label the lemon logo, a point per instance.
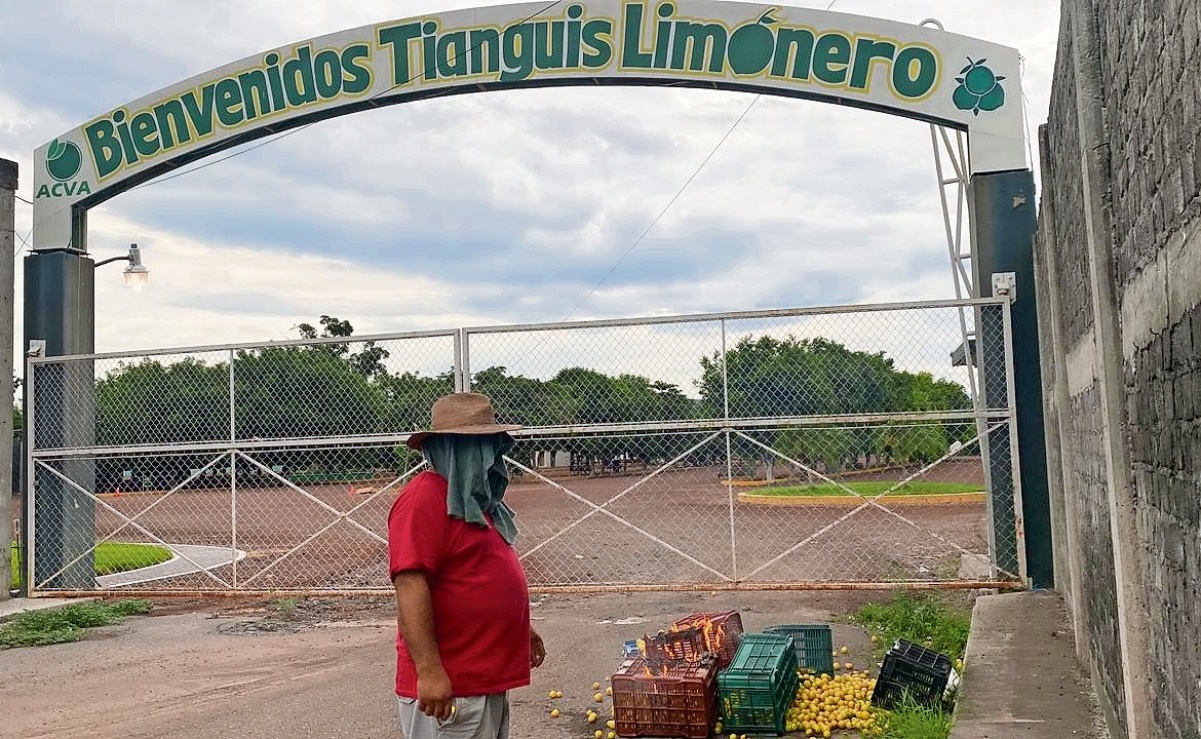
(63, 160)
(751, 46)
(979, 88)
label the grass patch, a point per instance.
(921, 618)
(916, 487)
(913, 721)
(61, 625)
(110, 556)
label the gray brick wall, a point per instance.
(1163, 384)
(1075, 293)
(1152, 66)
(1151, 79)
(1099, 608)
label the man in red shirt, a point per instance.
(463, 612)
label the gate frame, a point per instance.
(988, 417)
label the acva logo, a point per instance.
(63, 162)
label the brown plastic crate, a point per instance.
(721, 633)
(677, 700)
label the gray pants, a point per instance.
(475, 717)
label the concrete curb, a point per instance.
(851, 501)
(13, 606)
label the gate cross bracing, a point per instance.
(817, 447)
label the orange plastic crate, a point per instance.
(720, 631)
(674, 700)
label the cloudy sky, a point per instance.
(489, 208)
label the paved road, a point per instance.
(195, 676)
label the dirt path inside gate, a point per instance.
(324, 668)
(676, 527)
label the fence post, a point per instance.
(8, 188)
(233, 474)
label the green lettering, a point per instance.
(172, 124)
(105, 146)
(452, 54)
(357, 77)
(43, 192)
(398, 37)
(914, 72)
(200, 114)
(549, 45)
(631, 57)
(229, 102)
(299, 85)
(705, 40)
(83, 189)
(598, 43)
(327, 70)
(256, 100)
(145, 134)
(831, 57)
(485, 51)
(866, 52)
(517, 48)
(795, 45)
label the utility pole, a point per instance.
(8, 226)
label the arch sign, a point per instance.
(901, 69)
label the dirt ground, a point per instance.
(677, 527)
(324, 667)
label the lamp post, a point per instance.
(60, 314)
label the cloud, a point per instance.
(489, 208)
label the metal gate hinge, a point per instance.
(1005, 283)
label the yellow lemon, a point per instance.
(611, 724)
(596, 686)
(844, 650)
(599, 697)
(599, 734)
(554, 713)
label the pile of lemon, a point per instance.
(826, 704)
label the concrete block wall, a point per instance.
(1119, 260)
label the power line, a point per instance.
(23, 200)
(286, 134)
(667, 207)
(831, 5)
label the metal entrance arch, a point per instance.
(966, 85)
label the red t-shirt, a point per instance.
(480, 598)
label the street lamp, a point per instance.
(136, 275)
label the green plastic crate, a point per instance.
(814, 645)
(755, 692)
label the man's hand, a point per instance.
(537, 649)
(434, 693)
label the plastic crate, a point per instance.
(721, 632)
(674, 701)
(757, 689)
(687, 645)
(814, 644)
(910, 669)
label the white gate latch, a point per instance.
(1005, 283)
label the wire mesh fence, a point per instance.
(808, 446)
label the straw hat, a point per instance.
(461, 413)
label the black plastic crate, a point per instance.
(814, 645)
(911, 669)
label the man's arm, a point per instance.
(415, 617)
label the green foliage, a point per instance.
(109, 557)
(337, 387)
(920, 618)
(914, 721)
(60, 625)
(112, 556)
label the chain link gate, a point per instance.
(829, 447)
